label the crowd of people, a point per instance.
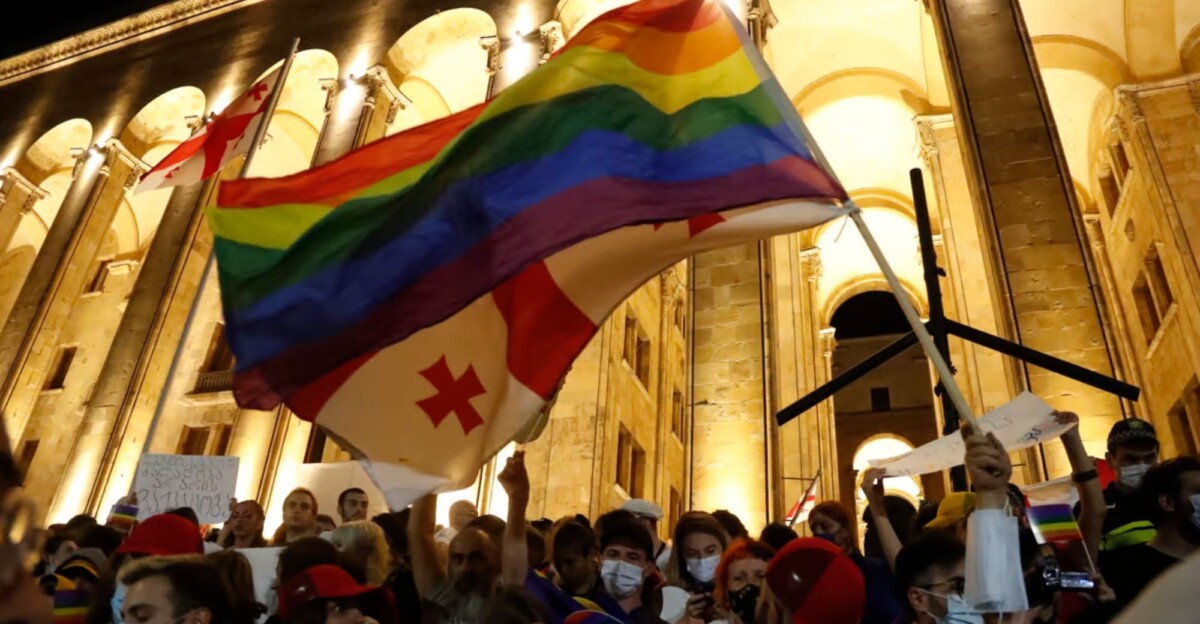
(402, 567)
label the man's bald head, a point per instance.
(462, 513)
(474, 561)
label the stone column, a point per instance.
(729, 460)
(107, 425)
(358, 110)
(1127, 362)
(1026, 198)
(29, 340)
(17, 197)
(824, 426)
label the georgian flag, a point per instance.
(225, 137)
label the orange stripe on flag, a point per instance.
(688, 15)
(662, 52)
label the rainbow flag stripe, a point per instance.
(1053, 523)
(659, 111)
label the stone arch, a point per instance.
(1189, 51)
(126, 231)
(300, 115)
(1083, 55)
(165, 120)
(54, 150)
(880, 446)
(862, 82)
(424, 104)
(867, 283)
(574, 15)
(446, 51)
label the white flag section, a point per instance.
(1059, 491)
(1020, 423)
(450, 396)
(203, 483)
(225, 137)
(328, 481)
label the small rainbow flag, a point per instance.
(454, 272)
(1053, 523)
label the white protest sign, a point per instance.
(262, 566)
(328, 481)
(203, 483)
(1054, 492)
(1020, 423)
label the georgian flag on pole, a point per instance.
(423, 297)
(225, 137)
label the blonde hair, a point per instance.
(364, 541)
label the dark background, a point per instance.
(38, 22)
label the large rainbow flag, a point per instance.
(454, 271)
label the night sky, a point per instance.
(38, 22)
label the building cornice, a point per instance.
(112, 36)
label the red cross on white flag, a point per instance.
(225, 137)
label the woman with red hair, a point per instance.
(833, 522)
(739, 579)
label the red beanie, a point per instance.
(817, 583)
(163, 534)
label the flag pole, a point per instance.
(804, 498)
(910, 313)
(259, 134)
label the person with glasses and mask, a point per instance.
(929, 572)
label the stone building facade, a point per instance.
(1063, 177)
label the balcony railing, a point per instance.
(218, 381)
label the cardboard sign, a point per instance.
(1020, 423)
(203, 483)
(328, 481)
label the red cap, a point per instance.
(320, 581)
(817, 582)
(164, 534)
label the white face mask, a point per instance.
(1195, 498)
(621, 578)
(1131, 476)
(117, 602)
(705, 569)
(957, 610)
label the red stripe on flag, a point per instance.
(546, 330)
(308, 401)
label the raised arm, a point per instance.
(514, 563)
(427, 571)
(872, 486)
(1092, 508)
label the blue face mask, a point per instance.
(829, 537)
(117, 601)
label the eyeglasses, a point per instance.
(956, 585)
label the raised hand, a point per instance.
(872, 487)
(514, 478)
(987, 462)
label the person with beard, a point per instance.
(739, 579)
(353, 504)
(1172, 491)
(458, 593)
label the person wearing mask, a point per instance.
(650, 515)
(299, 517)
(235, 568)
(1173, 488)
(739, 580)
(352, 504)
(175, 590)
(1132, 450)
(327, 594)
(831, 521)
(929, 572)
(699, 542)
(244, 529)
(364, 546)
(626, 563)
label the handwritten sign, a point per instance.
(166, 482)
(1020, 423)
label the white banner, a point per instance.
(328, 481)
(203, 483)
(1020, 423)
(263, 562)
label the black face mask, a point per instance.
(744, 601)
